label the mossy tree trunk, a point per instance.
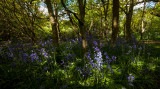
(53, 22)
(82, 5)
(128, 20)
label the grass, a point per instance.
(122, 66)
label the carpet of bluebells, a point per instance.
(124, 65)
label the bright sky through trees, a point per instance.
(150, 4)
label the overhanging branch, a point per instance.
(155, 14)
(69, 11)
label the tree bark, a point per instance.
(128, 20)
(143, 27)
(56, 19)
(82, 5)
(53, 22)
(81, 23)
(124, 29)
(115, 20)
(105, 18)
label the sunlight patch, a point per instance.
(152, 66)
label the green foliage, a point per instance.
(33, 66)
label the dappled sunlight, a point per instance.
(79, 44)
(103, 68)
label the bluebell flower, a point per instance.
(91, 62)
(10, 49)
(131, 84)
(95, 43)
(134, 47)
(44, 53)
(109, 66)
(107, 57)
(32, 51)
(25, 56)
(114, 57)
(67, 48)
(101, 45)
(39, 61)
(110, 60)
(34, 56)
(105, 53)
(96, 49)
(130, 78)
(98, 58)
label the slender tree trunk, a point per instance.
(105, 18)
(143, 27)
(115, 20)
(81, 23)
(128, 26)
(90, 27)
(150, 28)
(101, 28)
(129, 19)
(56, 19)
(124, 29)
(53, 22)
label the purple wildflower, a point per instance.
(134, 47)
(95, 43)
(130, 78)
(105, 53)
(114, 57)
(97, 49)
(107, 57)
(34, 56)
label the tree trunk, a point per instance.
(81, 22)
(124, 30)
(115, 20)
(101, 28)
(149, 31)
(82, 5)
(128, 20)
(56, 19)
(105, 18)
(142, 30)
(143, 27)
(53, 22)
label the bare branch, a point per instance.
(155, 14)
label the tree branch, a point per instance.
(146, 1)
(69, 11)
(123, 10)
(155, 14)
